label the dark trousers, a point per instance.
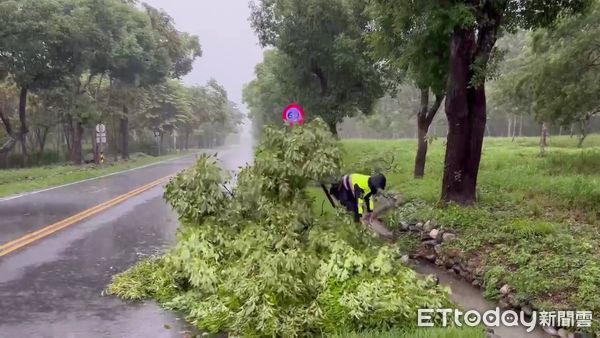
(348, 200)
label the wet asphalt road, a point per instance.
(54, 287)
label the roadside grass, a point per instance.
(536, 225)
(449, 332)
(17, 181)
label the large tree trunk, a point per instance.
(509, 130)
(424, 118)
(76, 156)
(124, 127)
(459, 182)
(466, 105)
(333, 128)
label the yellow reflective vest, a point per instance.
(362, 192)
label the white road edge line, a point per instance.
(91, 179)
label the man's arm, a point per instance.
(358, 192)
(369, 202)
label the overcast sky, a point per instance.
(230, 49)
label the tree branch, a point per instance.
(435, 107)
(322, 78)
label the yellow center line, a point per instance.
(21, 242)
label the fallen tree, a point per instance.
(256, 261)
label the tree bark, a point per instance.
(583, 129)
(333, 128)
(543, 139)
(514, 130)
(42, 134)
(68, 133)
(466, 107)
(23, 118)
(9, 145)
(521, 126)
(124, 127)
(77, 130)
(466, 104)
(509, 130)
(458, 184)
(425, 116)
(571, 131)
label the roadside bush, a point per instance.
(257, 262)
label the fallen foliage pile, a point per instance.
(256, 261)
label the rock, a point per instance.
(505, 289)
(491, 335)
(448, 236)
(550, 330)
(434, 278)
(413, 228)
(450, 271)
(419, 225)
(476, 283)
(429, 242)
(503, 304)
(438, 249)
(425, 236)
(527, 310)
(511, 298)
(404, 226)
(453, 253)
(427, 226)
(430, 258)
(405, 259)
(562, 333)
(434, 234)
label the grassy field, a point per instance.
(17, 181)
(537, 223)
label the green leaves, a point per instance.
(259, 263)
(197, 193)
(321, 58)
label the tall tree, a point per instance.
(476, 25)
(32, 49)
(404, 38)
(563, 72)
(323, 41)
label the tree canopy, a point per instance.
(328, 66)
(66, 65)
